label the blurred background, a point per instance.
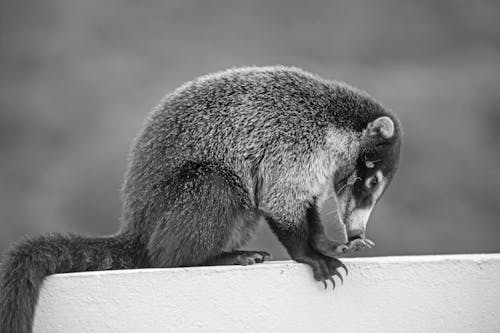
(77, 79)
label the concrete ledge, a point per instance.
(459, 293)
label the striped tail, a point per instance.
(26, 265)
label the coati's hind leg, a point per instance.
(207, 214)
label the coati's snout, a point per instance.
(355, 204)
(357, 190)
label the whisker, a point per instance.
(331, 212)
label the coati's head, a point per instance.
(359, 186)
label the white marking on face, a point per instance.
(374, 180)
(382, 181)
(356, 224)
(343, 206)
(356, 219)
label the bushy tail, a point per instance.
(26, 265)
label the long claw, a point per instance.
(339, 276)
(333, 282)
(324, 283)
(370, 242)
(345, 268)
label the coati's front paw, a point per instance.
(324, 268)
(358, 244)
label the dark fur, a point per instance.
(214, 157)
(28, 263)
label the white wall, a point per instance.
(458, 293)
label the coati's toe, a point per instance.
(341, 249)
(251, 257)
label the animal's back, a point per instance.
(230, 118)
(232, 112)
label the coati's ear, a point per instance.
(381, 126)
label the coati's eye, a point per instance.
(371, 182)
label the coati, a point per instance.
(217, 155)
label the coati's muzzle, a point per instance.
(353, 217)
(354, 211)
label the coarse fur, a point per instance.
(217, 155)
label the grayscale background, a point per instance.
(77, 79)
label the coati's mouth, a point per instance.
(351, 238)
